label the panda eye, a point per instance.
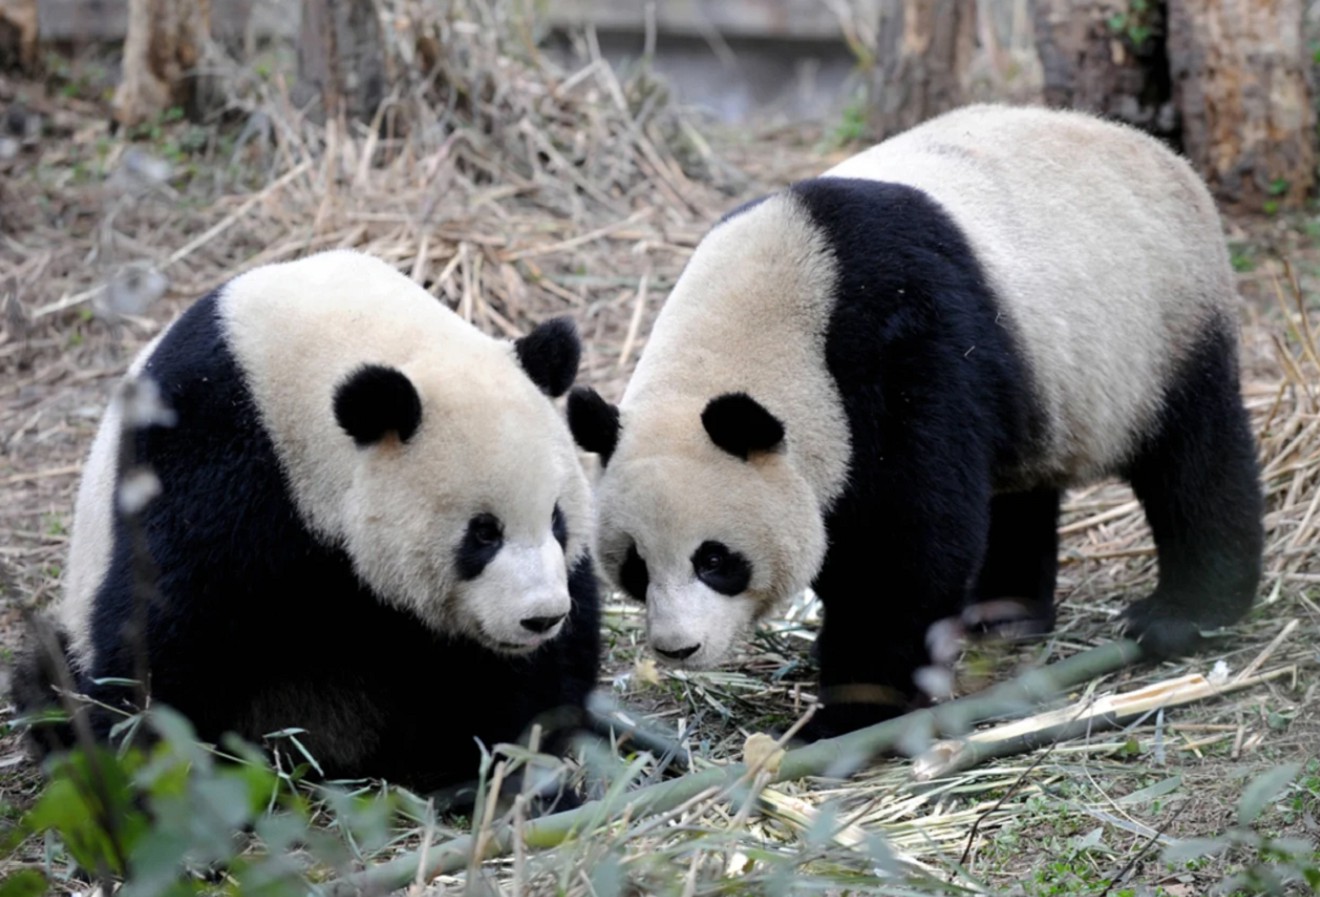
(710, 558)
(485, 530)
(481, 542)
(723, 570)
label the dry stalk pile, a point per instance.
(514, 186)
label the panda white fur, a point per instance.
(372, 524)
(876, 382)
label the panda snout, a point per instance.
(540, 625)
(679, 653)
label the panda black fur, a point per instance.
(372, 525)
(877, 382)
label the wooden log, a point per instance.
(1239, 81)
(924, 47)
(1107, 57)
(341, 58)
(18, 34)
(165, 42)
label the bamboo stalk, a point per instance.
(834, 756)
(1076, 720)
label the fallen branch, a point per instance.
(833, 757)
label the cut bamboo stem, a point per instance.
(1076, 720)
(839, 756)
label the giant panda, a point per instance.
(876, 382)
(372, 524)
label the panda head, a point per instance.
(730, 441)
(430, 452)
(701, 515)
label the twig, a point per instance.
(1145, 848)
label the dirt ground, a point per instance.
(77, 203)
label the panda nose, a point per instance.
(680, 653)
(541, 624)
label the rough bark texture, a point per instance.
(1239, 76)
(341, 58)
(925, 47)
(18, 34)
(165, 42)
(1100, 56)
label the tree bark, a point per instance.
(18, 34)
(165, 42)
(341, 58)
(1101, 56)
(925, 47)
(1239, 77)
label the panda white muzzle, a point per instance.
(694, 627)
(520, 600)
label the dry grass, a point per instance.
(543, 190)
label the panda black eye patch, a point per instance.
(482, 541)
(725, 571)
(633, 575)
(559, 526)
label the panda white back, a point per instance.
(1102, 245)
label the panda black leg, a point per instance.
(903, 560)
(1014, 593)
(1198, 482)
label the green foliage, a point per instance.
(180, 818)
(854, 124)
(1139, 23)
(1272, 863)
(1242, 258)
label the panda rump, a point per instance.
(372, 526)
(951, 327)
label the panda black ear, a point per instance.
(550, 355)
(594, 422)
(741, 425)
(375, 400)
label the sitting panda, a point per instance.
(876, 382)
(371, 524)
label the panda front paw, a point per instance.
(1162, 632)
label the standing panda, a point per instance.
(877, 382)
(371, 524)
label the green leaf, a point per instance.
(1150, 792)
(608, 877)
(23, 883)
(157, 862)
(1262, 790)
(78, 802)
(1193, 849)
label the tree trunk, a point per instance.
(165, 42)
(925, 47)
(1239, 76)
(341, 58)
(1101, 56)
(18, 34)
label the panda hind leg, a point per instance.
(1198, 481)
(1014, 594)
